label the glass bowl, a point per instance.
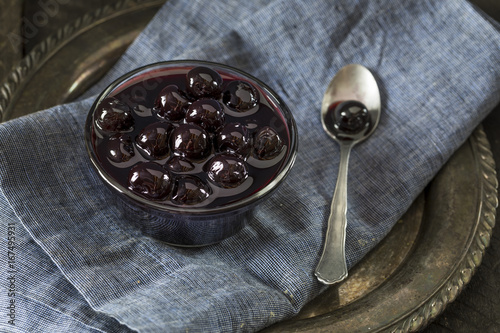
(183, 171)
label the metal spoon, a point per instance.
(352, 83)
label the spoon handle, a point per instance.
(332, 266)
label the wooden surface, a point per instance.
(23, 24)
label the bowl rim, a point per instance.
(247, 201)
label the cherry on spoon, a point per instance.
(350, 112)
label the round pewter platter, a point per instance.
(402, 285)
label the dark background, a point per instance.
(477, 309)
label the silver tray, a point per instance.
(400, 286)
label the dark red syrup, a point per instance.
(190, 137)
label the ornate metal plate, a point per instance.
(404, 283)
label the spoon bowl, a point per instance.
(352, 82)
(350, 113)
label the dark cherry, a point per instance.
(153, 140)
(240, 96)
(150, 180)
(113, 116)
(267, 144)
(351, 117)
(171, 103)
(179, 164)
(190, 141)
(120, 148)
(203, 82)
(227, 171)
(233, 138)
(206, 113)
(189, 190)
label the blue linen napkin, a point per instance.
(78, 266)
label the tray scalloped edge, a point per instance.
(449, 291)
(28, 66)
